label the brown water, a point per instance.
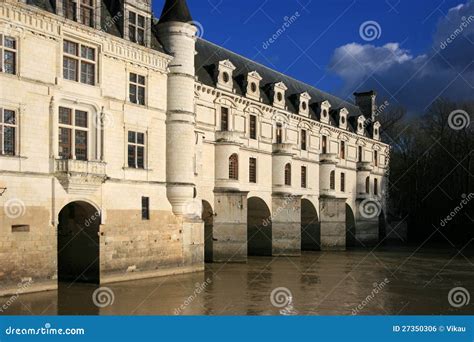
(408, 282)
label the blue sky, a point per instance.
(324, 48)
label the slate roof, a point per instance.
(209, 55)
(176, 10)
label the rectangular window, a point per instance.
(73, 134)
(342, 154)
(8, 131)
(253, 170)
(137, 89)
(303, 140)
(145, 208)
(79, 63)
(136, 28)
(376, 158)
(8, 49)
(324, 147)
(360, 154)
(70, 9)
(332, 180)
(87, 12)
(224, 119)
(343, 182)
(136, 150)
(304, 184)
(279, 133)
(253, 127)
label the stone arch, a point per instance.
(78, 247)
(351, 240)
(259, 227)
(208, 218)
(310, 227)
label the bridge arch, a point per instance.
(259, 227)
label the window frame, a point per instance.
(360, 154)
(376, 158)
(80, 60)
(376, 187)
(73, 128)
(145, 208)
(343, 182)
(3, 52)
(279, 133)
(324, 144)
(332, 180)
(288, 174)
(134, 28)
(137, 86)
(342, 152)
(304, 177)
(253, 127)
(14, 126)
(304, 140)
(253, 170)
(136, 146)
(234, 167)
(225, 114)
(367, 185)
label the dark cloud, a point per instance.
(446, 70)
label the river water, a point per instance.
(402, 281)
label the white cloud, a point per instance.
(414, 81)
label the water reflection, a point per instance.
(320, 283)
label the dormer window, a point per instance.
(376, 132)
(361, 125)
(303, 101)
(279, 90)
(324, 108)
(343, 113)
(253, 85)
(225, 70)
(136, 28)
(82, 11)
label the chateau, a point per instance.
(132, 148)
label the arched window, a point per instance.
(332, 180)
(234, 167)
(367, 185)
(376, 187)
(288, 174)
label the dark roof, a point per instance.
(176, 10)
(209, 55)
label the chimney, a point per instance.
(367, 103)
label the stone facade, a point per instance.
(134, 193)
